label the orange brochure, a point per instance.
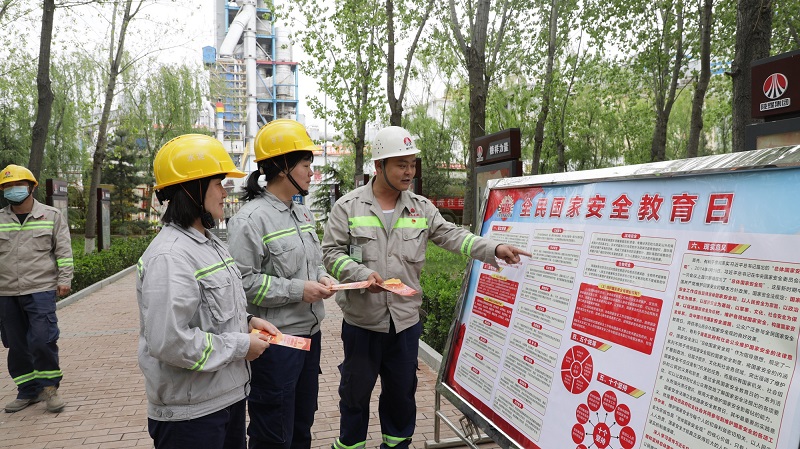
(291, 341)
(397, 287)
(350, 286)
(392, 285)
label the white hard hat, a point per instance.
(392, 141)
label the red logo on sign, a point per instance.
(480, 153)
(775, 85)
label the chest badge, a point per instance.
(413, 213)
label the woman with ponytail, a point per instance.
(275, 245)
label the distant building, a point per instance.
(252, 72)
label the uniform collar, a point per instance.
(37, 211)
(192, 232)
(274, 201)
(280, 206)
(403, 201)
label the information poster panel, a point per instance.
(658, 310)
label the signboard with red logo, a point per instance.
(498, 147)
(654, 311)
(775, 85)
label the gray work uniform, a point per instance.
(193, 326)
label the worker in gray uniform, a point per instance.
(381, 231)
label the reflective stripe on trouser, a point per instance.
(283, 397)
(393, 357)
(30, 331)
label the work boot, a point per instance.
(19, 404)
(54, 402)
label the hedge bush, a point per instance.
(441, 282)
(441, 279)
(94, 267)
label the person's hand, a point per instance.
(315, 291)
(375, 279)
(258, 344)
(509, 254)
(63, 290)
(327, 281)
(264, 325)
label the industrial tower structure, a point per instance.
(253, 71)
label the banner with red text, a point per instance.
(654, 313)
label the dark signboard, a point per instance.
(775, 85)
(361, 180)
(498, 147)
(416, 185)
(103, 219)
(56, 195)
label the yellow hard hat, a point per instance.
(282, 136)
(17, 173)
(192, 156)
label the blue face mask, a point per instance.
(16, 194)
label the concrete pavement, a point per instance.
(104, 388)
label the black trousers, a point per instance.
(29, 329)
(368, 355)
(223, 429)
(284, 389)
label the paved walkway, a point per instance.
(104, 389)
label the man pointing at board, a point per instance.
(378, 231)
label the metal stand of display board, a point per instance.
(468, 433)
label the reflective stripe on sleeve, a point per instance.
(262, 291)
(466, 245)
(206, 353)
(338, 264)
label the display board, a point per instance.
(659, 308)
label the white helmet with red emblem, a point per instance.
(392, 141)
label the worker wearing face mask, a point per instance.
(35, 266)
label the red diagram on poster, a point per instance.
(602, 424)
(576, 369)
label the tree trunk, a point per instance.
(115, 59)
(396, 101)
(45, 93)
(395, 106)
(538, 137)
(753, 34)
(561, 157)
(666, 99)
(478, 85)
(361, 134)
(659, 145)
(696, 125)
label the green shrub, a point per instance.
(94, 267)
(441, 282)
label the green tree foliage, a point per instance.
(17, 97)
(343, 42)
(342, 175)
(435, 142)
(127, 167)
(163, 104)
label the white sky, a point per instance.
(171, 31)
